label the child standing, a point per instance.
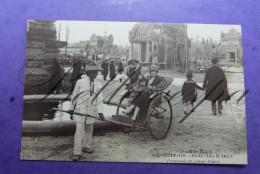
(189, 92)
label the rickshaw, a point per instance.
(156, 119)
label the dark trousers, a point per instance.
(214, 106)
(105, 76)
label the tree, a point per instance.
(88, 48)
(116, 50)
(100, 42)
(161, 51)
(105, 49)
(81, 51)
(110, 40)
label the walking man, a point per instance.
(120, 69)
(112, 70)
(76, 73)
(215, 83)
(82, 102)
(105, 69)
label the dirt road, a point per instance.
(224, 133)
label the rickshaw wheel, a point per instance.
(159, 117)
(123, 101)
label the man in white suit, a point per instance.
(82, 101)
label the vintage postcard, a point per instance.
(134, 92)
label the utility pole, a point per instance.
(67, 37)
(58, 45)
(59, 30)
(186, 48)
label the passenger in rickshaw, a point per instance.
(141, 102)
(135, 89)
(133, 71)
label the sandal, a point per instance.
(76, 157)
(126, 113)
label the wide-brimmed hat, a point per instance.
(154, 68)
(91, 66)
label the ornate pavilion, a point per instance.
(231, 44)
(159, 43)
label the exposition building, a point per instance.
(231, 44)
(164, 44)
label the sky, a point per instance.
(82, 30)
(209, 30)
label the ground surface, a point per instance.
(224, 133)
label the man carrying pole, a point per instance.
(82, 102)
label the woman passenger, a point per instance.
(142, 100)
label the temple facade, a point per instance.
(41, 46)
(41, 38)
(102, 44)
(231, 44)
(159, 43)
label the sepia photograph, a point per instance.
(133, 92)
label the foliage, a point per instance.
(205, 49)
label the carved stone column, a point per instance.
(236, 57)
(131, 51)
(148, 52)
(139, 52)
(175, 56)
(166, 55)
(152, 52)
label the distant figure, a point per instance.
(120, 67)
(189, 92)
(77, 72)
(55, 83)
(215, 83)
(112, 70)
(105, 69)
(96, 60)
(133, 71)
(93, 58)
